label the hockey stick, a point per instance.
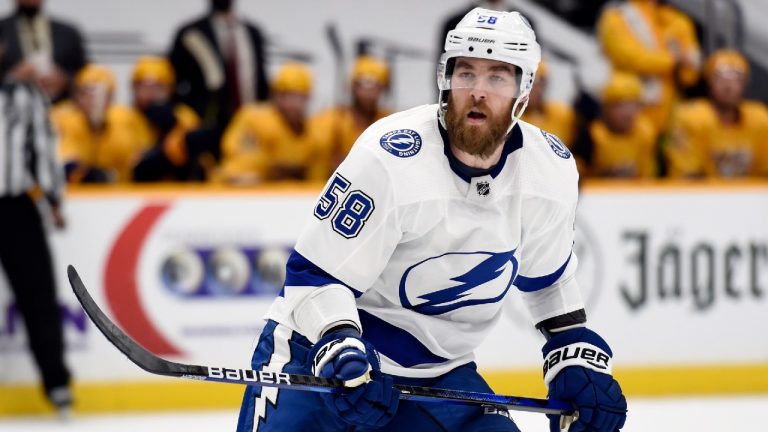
(340, 69)
(156, 365)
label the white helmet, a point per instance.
(488, 34)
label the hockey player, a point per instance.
(161, 124)
(276, 141)
(343, 124)
(435, 216)
(622, 142)
(553, 116)
(98, 142)
(724, 135)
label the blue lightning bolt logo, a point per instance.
(448, 299)
(402, 140)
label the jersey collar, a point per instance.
(514, 142)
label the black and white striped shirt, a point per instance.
(28, 155)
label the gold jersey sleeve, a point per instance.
(680, 37)
(631, 155)
(656, 42)
(339, 130)
(74, 133)
(701, 144)
(186, 117)
(626, 51)
(556, 118)
(761, 140)
(258, 145)
(174, 145)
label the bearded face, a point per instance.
(475, 128)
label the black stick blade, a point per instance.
(135, 352)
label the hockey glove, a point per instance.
(369, 399)
(577, 369)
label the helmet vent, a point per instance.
(516, 46)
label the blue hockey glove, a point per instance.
(369, 399)
(577, 369)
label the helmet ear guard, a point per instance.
(444, 71)
(502, 36)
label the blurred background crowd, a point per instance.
(214, 107)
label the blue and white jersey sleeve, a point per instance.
(343, 248)
(355, 226)
(548, 264)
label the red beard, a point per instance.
(479, 140)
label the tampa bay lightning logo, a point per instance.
(454, 280)
(557, 146)
(401, 142)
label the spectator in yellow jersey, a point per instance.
(274, 141)
(554, 117)
(622, 142)
(97, 141)
(342, 125)
(656, 42)
(160, 123)
(722, 135)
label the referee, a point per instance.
(29, 169)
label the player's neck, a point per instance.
(727, 113)
(477, 161)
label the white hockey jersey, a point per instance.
(429, 253)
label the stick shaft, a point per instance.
(265, 378)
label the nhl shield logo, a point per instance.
(483, 188)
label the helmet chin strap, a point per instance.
(442, 108)
(516, 117)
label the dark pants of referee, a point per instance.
(26, 259)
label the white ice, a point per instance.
(733, 414)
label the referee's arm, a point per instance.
(48, 171)
(41, 139)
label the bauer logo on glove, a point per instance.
(582, 354)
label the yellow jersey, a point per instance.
(120, 143)
(630, 155)
(556, 118)
(648, 40)
(258, 145)
(702, 145)
(113, 149)
(339, 131)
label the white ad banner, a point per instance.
(669, 276)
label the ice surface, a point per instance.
(733, 414)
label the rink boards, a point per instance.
(674, 276)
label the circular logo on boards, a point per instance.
(401, 142)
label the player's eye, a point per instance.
(501, 79)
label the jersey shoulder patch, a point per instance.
(556, 144)
(402, 143)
